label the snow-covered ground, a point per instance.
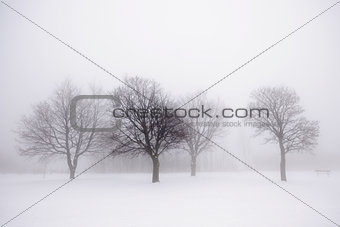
(210, 199)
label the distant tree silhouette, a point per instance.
(285, 124)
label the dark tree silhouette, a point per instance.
(285, 124)
(148, 126)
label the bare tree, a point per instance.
(148, 125)
(281, 119)
(47, 132)
(201, 128)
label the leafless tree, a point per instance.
(47, 132)
(276, 111)
(201, 128)
(149, 126)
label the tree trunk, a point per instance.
(155, 169)
(283, 163)
(72, 166)
(193, 165)
(72, 173)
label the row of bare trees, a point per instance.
(146, 129)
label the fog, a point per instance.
(186, 47)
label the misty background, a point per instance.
(186, 47)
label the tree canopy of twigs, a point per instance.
(285, 124)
